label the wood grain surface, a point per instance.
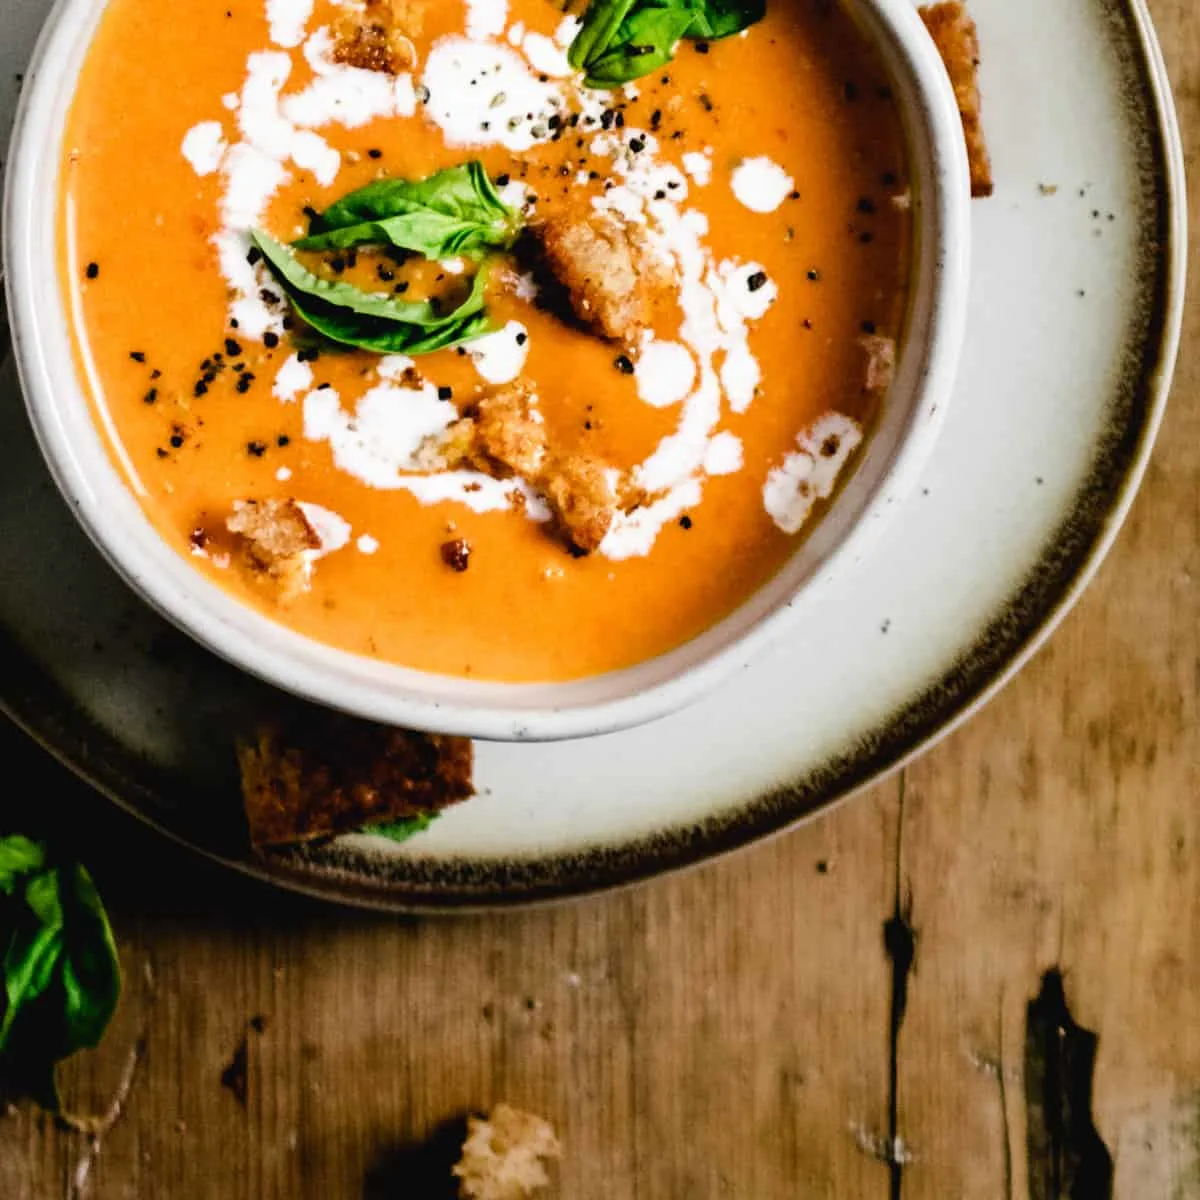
(844, 1012)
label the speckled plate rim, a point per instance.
(1071, 556)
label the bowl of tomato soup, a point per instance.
(476, 365)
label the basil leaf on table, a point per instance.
(61, 974)
(371, 320)
(455, 212)
(622, 40)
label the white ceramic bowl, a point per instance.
(102, 502)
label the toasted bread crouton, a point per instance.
(957, 39)
(509, 432)
(504, 1156)
(271, 538)
(610, 278)
(881, 362)
(316, 773)
(583, 501)
(377, 37)
(501, 435)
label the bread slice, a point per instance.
(957, 39)
(505, 1155)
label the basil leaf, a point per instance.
(622, 40)
(716, 19)
(371, 320)
(402, 830)
(455, 212)
(18, 856)
(61, 973)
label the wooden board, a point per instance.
(748, 1030)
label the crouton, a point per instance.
(504, 1156)
(509, 432)
(272, 539)
(582, 499)
(376, 37)
(314, 773)
(881, 362)
(501, 435)
(957, 39)
(610, 279)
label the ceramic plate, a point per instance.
(1072, 328)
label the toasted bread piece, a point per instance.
(316, 773)
(957, 39)
(271, 538)
(509, 433)
(610, 278)
(583, 501)
(377, 37)
(504, 1156)
(881, 361)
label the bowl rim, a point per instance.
(103, 502)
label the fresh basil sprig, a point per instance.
(370, 320)
(62, 978)
(455, 212)
(623, 40)
(402, 829)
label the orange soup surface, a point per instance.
(690, 301)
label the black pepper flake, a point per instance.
(200, 389)
(267, 296)
(866, 205)
(337, 264)
(456, 554)
(93, 269)
(706, 102)
(374, 152)
(232, 348)
(866, 238)
(400, 289)
(137, 356)
(685, 522)
(814, 276)
(637, 144)
(160, 452)
(156, 374)
(445, 393)
(270, 340)
(282, 440)
(660, 194)
(756, 281)
(258, 449)
(522, 338)
(386, 274)
(868, 327)
(656, 118)
(309, 354)
(889, 179)
(700, 47)
(624, 364)
(806, 323)
(244, 382)
(151, 396)
(176, 440)
(253, 255)
(323, 386)
(503, 180)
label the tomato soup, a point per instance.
(667, 308)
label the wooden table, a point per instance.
(754, 1029)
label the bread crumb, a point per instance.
(957, 39)
(504, 1156)
(583, 501)
(881, 362)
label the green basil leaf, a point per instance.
(370, 320)
(622, 40)
(646, 42)
(402, 830)
(598, 31)
(61, 973)
(716, 19)
(18, 857)
(455, 212)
